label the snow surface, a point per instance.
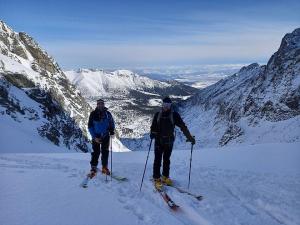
(241, 185)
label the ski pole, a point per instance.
(111, 158)
(145, 165)
(190, 165)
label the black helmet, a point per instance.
(167, 100)
(100, 101)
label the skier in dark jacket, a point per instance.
(162, 129)
(101, 126)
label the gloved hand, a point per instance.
(152, 135)
(97, 140)
(112, 134)
(191, 139)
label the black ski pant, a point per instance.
(162, 150)
(104, 152)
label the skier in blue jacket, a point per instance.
(101, 126)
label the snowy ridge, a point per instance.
(96, 82)
(258, 104)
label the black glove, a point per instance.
(112, 133)
(152, 135)
(191, 139)
(97, 139)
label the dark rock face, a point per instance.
(10, 40)
(41, 58)
(231, 133)
(59, 127)
(19, 80)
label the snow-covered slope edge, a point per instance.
(259, 104)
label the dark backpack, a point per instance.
(171, 117)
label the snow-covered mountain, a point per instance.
(95, 82)
(258, 104)
(36, 97)
(132, 98)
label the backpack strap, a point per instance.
(110, 120)
(159, 116)
(172, 117)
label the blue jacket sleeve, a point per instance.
(91, 126)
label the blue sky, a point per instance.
(128, 34)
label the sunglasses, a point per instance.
(166, 105)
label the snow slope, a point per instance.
(241, 185)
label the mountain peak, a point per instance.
(124, 73)
(289, 50)
(5, 28)
(291, 40)
(249, 67)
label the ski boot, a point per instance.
(105, 170)
(158, 184)
(166, 180)
(93, 172)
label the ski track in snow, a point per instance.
(230, 197)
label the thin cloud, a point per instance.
(245, 45)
